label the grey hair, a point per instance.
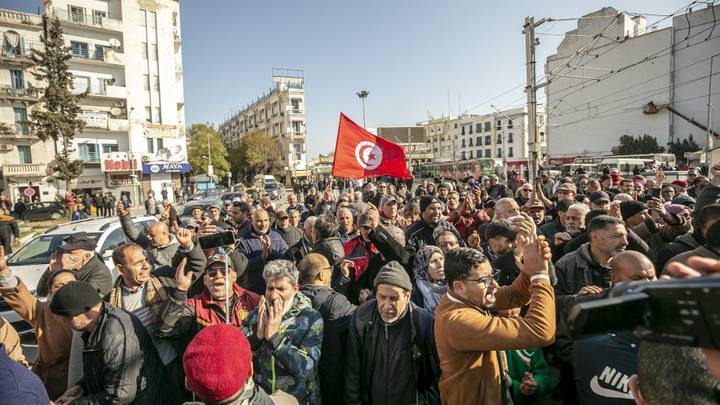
(342, 209)
(396, 234)
(582, 208)
(357, 196)
(277, 269)
(309, 222)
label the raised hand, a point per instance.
(184, 237)
(183, 280)
(534, 258)
(262, 318)
(121, 210)
(274, 319)
(346, 267)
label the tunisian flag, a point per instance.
(360, 154)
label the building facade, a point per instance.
(612, 65)
(442, 137)
(127, 60)
(414, 139)
(280, 113)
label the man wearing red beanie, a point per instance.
(218, 369)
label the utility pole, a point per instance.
(363, 95)
(531, 90)
(709, 136)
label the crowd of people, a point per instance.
(443, 291)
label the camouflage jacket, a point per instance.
(289, 361)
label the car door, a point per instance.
(114, 240)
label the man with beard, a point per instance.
(536, 210)
(120, 363)
(54, 338)
(587, 270)
(420, 233)
(291, 234)
(260, 245)
(471, 339)
(346, 228)
(500, 240)
(240, 215)
(292, 201)
(391, 357)
(389, 215)
(296, 252)
(599, 200)
(574, 226)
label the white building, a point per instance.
(281, 114)
(23, 157)
(498, 135)
(127, 57)
(442, 137)
(599, 85)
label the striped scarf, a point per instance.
(155, 295)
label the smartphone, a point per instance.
(216, 240)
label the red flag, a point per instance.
(360, 154)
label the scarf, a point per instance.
(155, 295)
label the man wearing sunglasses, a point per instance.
(471, 339)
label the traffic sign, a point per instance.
(29, 191)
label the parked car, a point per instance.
(43, 211)
(185, 213)
(31, 260)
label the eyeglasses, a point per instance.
(487, 280)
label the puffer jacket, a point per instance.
(575, 271)
(120, 363)
(94, 272)
(158, 256)
(289, 361)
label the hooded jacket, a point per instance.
(575, 271)
(376, 351)
(336, 312)
(289, 360)
(95, 272)
(158, 256)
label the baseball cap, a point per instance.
(495, 229)
(599, 196)
(535, 203)
(387, 200)
(282, 214)
(76, 241)
(567, 187)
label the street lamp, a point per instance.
(363, 95)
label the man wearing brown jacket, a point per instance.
(54, 337)
(471, 340)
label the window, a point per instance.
(16, 79)
(144, 50)
(510, 151)
(109, 148)
(488, 140)
(100, 52)
(157, 117)
(146, 82)
(142, 17)
(296, 126)
(478, 153)
(77, 14)
(462, 156)
(24, 155)
(17, 49)
(478, 141)
(478, 128)
(159, 142)
(98, 17)
(499, 154)
(455, 126)
(510, 137)
(89, 152)
(510, 124)
(148, 114)
(150, 145)
(462, 130)
(487, 126)
(80, 84)
(102, 83)
(470, 142)
(21, 124)
(471, 156)
(487, 153)
(79, 49)
(499, 139)
(298, 151)
(470, 129)
(499, 123)
(114, 240)
(462, 143)
(156, 82)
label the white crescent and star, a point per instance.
(368, 155)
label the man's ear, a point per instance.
(634, 385)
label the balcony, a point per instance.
(21, 55)
(89, 157)
(107, 91)
(19, 93)
(176, 37)
(94, 21)
(100, 58)
(297, 111)
(28, 169)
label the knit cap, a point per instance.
(395, 275)
(74, 299)
(630, 208)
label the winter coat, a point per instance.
(254, 395)
(550, 229)
(634, 243)
(469, 339)
(19, 385)
(11, 341)
(298, 251)
(498, 191)
(414, 359)
(701, 251)
(346, 236)
(289, 361)
(658, 235)
(681, 244)
(53, 335)
(575, 271)
(468, 222)
(94, 272)
(336, 312)
(709, 195)
(157, 256)
(120, 363)
(185, 317)
(291, 234)
(250, 244)
(8, 229)
(420, 233)
(150, 206)
(530, 360)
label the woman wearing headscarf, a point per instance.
(430, 284)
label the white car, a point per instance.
(31, 260)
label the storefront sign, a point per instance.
(160, 131)
(90, 182)
(157, 168)
(95, 119)
(119, 162)
(119, 181)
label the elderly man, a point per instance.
(285, 335)
(294, 217)
(260, 245)
(77, 254)
(118, 352)
(389, 213)
(160, 246)
(470, 338)
(391, 357)
(292, 201)
(347, 229)
(54, 337)
(558, 225)
(291, 234)
(336, 310)
(574, 226)
(566, 191)
(421, 232)
(296, 252)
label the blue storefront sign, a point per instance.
(157, 168)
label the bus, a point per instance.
(461, 169)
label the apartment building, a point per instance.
(442, 138)
(280, 113)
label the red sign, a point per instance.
(118, 162)
(559, 161)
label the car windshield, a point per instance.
(39, 249)
(187, 209)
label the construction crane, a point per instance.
(652, 108)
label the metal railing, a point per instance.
(90, 156)
(86, 17)
(28, 91)
(85, 53)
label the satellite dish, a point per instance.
(114, 42)
(115, 111)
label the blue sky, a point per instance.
(410, 55)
